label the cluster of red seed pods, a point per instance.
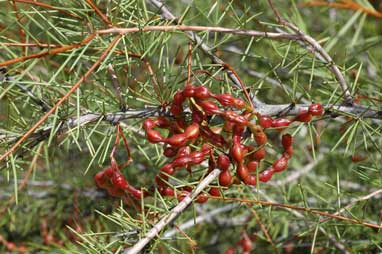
(112, 180)
(223, 146)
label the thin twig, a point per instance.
(173, 214)
(117, 87)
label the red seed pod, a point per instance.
(181, 162)
(246, 243)
(119, 181)
(214, 191)
(230, 250)
(242, 171)
(176, 110)
(234, 117)
(238, 103)
(197, 116)
(225, 178)
(201, 92)
(280, 122)
(288, 152)
(101, 180)
(167, 191)
(225, 99)
(109, 171)
(206, 148)
(176, 140)
(259, 154)
(178, 98)
(197, 157)
(137, 194)
(315, 109)
(202, 198)
(183, 151)
(261, 138)
(161, 179)
(189, 91)
(304, 116)
(286, 140)
(168, 168)
(252, 166)
(265, 121)
(237, 153)
(280, 164)
(223, 162)
(228, 126)
(169, 152)
(250, 180)
(154, 136)
(238, 130)
(163, 122)
(182, 195)
(148, 124)
(192, 131)
(266, 175)
(209, 107)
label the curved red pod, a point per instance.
(176, 140)
(266, 175)
(280, 164)
(250, 180)
(316, 109)
(170, 152)
(225, 178)
(178, 98)
(181, 162)
(265, 121)
(154, 136)
(286, 140)
(304, 116)
(252, 166)
(168, 169)
(201, 92)
(214, 191)
(148, 124)
(281, 122)
(189, 91)
(209, 107)
(201, 198)
(223, 162)
(261, 138)
(119, 181)
(259, 154)
(242, 171)
(192, 131)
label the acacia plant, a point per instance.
(190, 126)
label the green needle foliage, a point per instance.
(49, 202)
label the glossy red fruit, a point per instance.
(250, 180)
(148, 124)
(214, 191)
(230, 250)
(109, 171)
(280, 122)
(316, 109)
(176, 110)
(225, 99)
(176, 140)
(189, 91)
(209, 107)
(206, 148)
(181, 162)
(242, 171)
(192, 131)
(202, 92)
(169, 152)
(304, 116)
(182, 195)
(286, 140)
(238, 103)
(202, 198)
(161, 180)
(237, 152)
(137, 194)
(225, 178)
(261, 138)
(167, 191)
(252, 165)
(183, 151)
(197, 117)
(223, 162)
(235, 118)
(265, 121)
(168, 169)
(197, 157)
(119, 181)
(228, 126)
(101, 180)
(163, 122)
(266, 175)
(259, 154)
(246, 243)
(154, 136)
(288, 152)
(280, 164)
(178, 98)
